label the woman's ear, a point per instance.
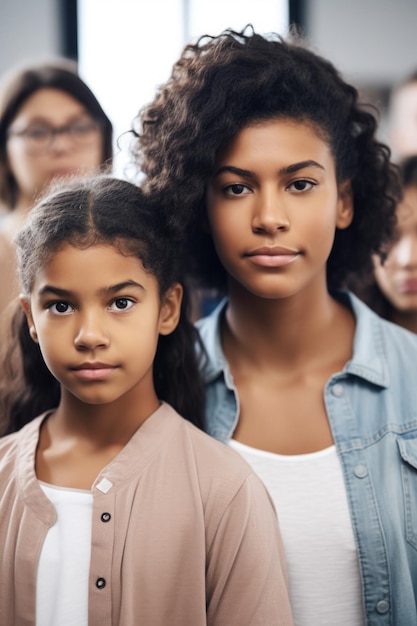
(170, 309)
(25, 304)
(344, 205)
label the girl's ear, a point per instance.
(344, 205)
(170, 309)
(25, 304)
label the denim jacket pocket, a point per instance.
(408, 451)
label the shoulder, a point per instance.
(209, 328)
(221, 472)
(24, 439)
(378, 335)
(212, 459)
(210, 454)
(209, 325)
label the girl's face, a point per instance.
(36, 156)
(397, 277)
(273, 208)
(98, 335)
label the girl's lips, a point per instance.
(93, 371)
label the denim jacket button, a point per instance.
(382, 606)
(360, 471)
(338, 390)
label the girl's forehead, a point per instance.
(92, 268)
(69, 255)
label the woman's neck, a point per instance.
(291, 330)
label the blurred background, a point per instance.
(125, 48)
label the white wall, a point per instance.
(373, 42)
(29, 29)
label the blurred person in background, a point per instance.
(402, 118)
(392, 290)
(51, 126)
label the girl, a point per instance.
(51, 126)
(114, 509)
(276, 171)
(391, 290)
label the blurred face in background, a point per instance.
(397, 277)
(52, 136)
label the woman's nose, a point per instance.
(405, 252)
(270, 214)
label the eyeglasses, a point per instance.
(39, 137)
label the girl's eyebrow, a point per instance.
(289, 169)
(124, 285)
(64, 293)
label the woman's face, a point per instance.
(397, 277)
(53, 135)
(273, 207)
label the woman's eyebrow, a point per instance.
(294, 167)
(289, 169)
(234, 170)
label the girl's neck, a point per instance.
(77, 441)
(102, 425)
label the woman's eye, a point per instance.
(60, 308)
(38, 132)
(121, 304)
(301, 185)
(237, 189)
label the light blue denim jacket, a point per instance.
(372, 410)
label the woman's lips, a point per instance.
(408, 286)
(272, 256)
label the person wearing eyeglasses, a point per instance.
(51, 127)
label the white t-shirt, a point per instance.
(310, 498)
(64, 565)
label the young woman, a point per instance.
(276, 172)
(51, 126)
(391, 290)
(113, 508)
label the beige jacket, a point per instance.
(189, 537)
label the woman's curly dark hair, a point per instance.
(220, 85)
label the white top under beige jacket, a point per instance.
(183, 533)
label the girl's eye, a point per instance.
(301, 185)
(60, 308)
(237, 189)
(121, 304)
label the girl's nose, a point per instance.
(91, 334)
